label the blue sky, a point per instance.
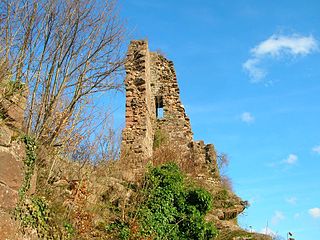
(249, 75)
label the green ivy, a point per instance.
(69, 229)
(29, 163)
(34, 213)
(12, 87)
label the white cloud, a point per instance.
(278, 46)
(316, 149)
(291, 159)
(314, 212)
(277, 217)
(291, 200)
(292, 45)
(247, 117)
(256, 74)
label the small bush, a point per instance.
(123, 229)
(170, 209)
(200, 199)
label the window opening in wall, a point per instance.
(159, 107)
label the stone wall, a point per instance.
(12, 151)
(138, 133)
(164, 86)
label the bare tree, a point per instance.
(222, 161)
(65, 52)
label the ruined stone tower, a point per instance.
(153, 105)
(152, 101)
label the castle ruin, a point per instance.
(153, 106)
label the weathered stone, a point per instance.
(219, 213)
(5, 136)
(8, 197)
(9, 227)
(14, 112)
(12, 153)
(139, 81)
(11, 170)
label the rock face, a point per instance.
(154, 112)
(12, 154)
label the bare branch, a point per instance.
(65, 52)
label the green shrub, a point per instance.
(121, 228)
(170, 209)
(200, 199)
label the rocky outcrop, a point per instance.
(8, 227)
(12, 154)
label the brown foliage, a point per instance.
(226, 182)
(172, 152)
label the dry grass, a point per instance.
(172, 152)
(88, 196)
(241, 235)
